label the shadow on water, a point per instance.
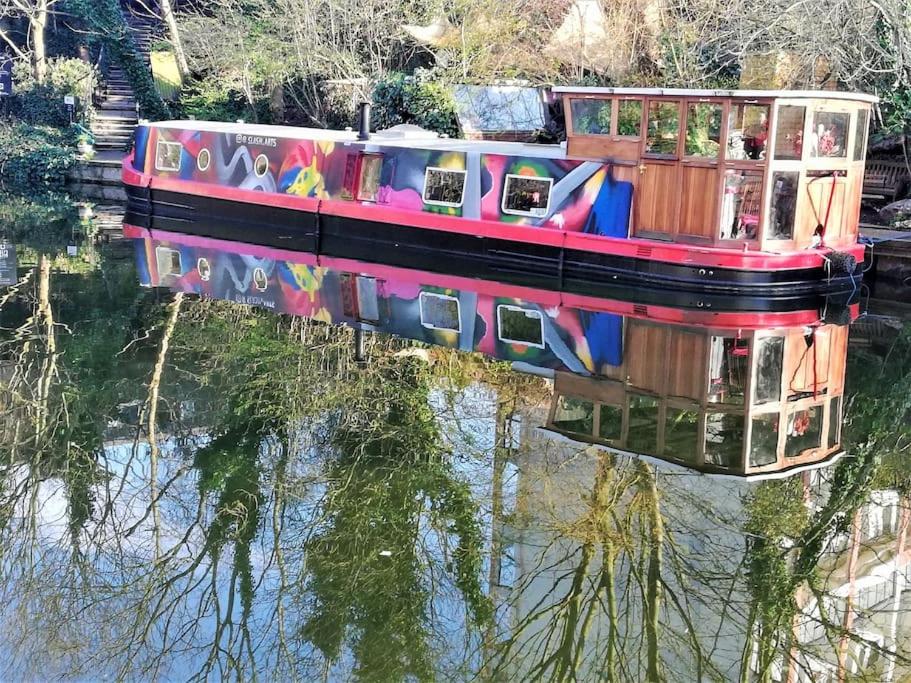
(192, 487)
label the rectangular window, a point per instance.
(783, 205)
(748, 131)
(526, 195)
(350, 183)
(368, 306)
(703, 130)
(804, 431)
(764, 444)
(629, 118)
(168, 261)
(740, 205)
(663, 129)
(520, 326)
(590, 117)
(860, 136)
(440, 312)
(724, 439)
(789, 133)
(611, 424)
(368, 187)
(728, 370)
(834, 422)
(769, 363)
(574, 415)
(642, 434)
(167, 156)
(829, 137)
(681, 434)
(444, 186)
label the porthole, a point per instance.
(261, 165)
(260, 280)
(204, 269)
(203, 160)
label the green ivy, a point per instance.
(35, 155)
(419, 99)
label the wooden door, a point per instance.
(657, 198)
(699, 200)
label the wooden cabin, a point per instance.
(769, 170)
(754, 402)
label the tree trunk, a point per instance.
(167, 14)
(38, 22)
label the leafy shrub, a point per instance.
(42, 104)
(209, 100)
(419, 99)
(35, 155)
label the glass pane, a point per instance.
(642, 436)
(723, 439)
(789, 133)
(741, 205)
(764, 445)
(681, 434)
(728, 370)
(804, 431)
(703, 131)
(521, 326)
(663, 128)
(611, 423)
(769, 360)
(830, 135)
(629, 118)
(444, 187)
(834, 421)
(783, 205)
(369, 187)
(440, 312)
(167, 156)
(368, 307)
(574, 415)
(860, 136)
(748, 131)
(526, 195)
(591, 117)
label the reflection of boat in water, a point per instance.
(726, 392)
(706, 192)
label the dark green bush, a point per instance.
(43, 105)
(420, 100)
(35, 155)
(208, 100)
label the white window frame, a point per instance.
(446, 297)
(208, 154)
(452, 205)
(175, 169)
(535, 213)
(256, 163)
(162, 251)
(526, 311)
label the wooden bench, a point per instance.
(885, 179)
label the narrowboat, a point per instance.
(725, 392)
(699, 192)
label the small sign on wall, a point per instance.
(8, 264)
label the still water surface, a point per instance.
(194, 488)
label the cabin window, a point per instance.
(642, 432)
(168, 261)
(261, 165)
(663, 129)
(526, 195)
(574, 415)
(440, 312)
(517, 325)
(860, 136)
(703, 130)
(610, 427)
(204, 269)
(260, 279)
(829, 137)
(764, 441)
(444, 187)
(834, 422)
(167, 156)
(789, 133)
(203, 160)
(368, 303)
(748, 132)
(783, 205)
(769, 363)
(591, 117)
(368, 187)
(740, 205)
(728, 370)
(804, 431)
(681, 434)
(629, 118)
(724, 439)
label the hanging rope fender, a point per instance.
(822, 225)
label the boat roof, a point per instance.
(406, 136)
(752, 94)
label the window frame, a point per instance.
(611, 104)
(616, 118)
(676, 155)
(162, 250)
(526, 311)
(529, 214)
(199, 166)
(167, 143)
(200, 262)
(364, 157)
(451, 205)
(256, 162)
(447, 297)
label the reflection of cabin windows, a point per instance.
(203, 160)
(783, 205)
(368, 306)
(168, 262)
(764, 440)
(574, 415)
(203, 268)
(829, 135)
(591, 116)
(729, 367)
(789, 133)
(167, 156)
(748, 131)
(261, 165)
(517, 325)
(740, 205)
(769, 360)
(681, 434)
(629, 118)
(860, 136)
(526, 195)
(368, 185)
(440, 312)
(260, 279)
(723, 439)
(444, 186)
(662, 128)
(804, 431)
(834, 422)
(610, 428)
(642, 434)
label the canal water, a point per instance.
(205, 483)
